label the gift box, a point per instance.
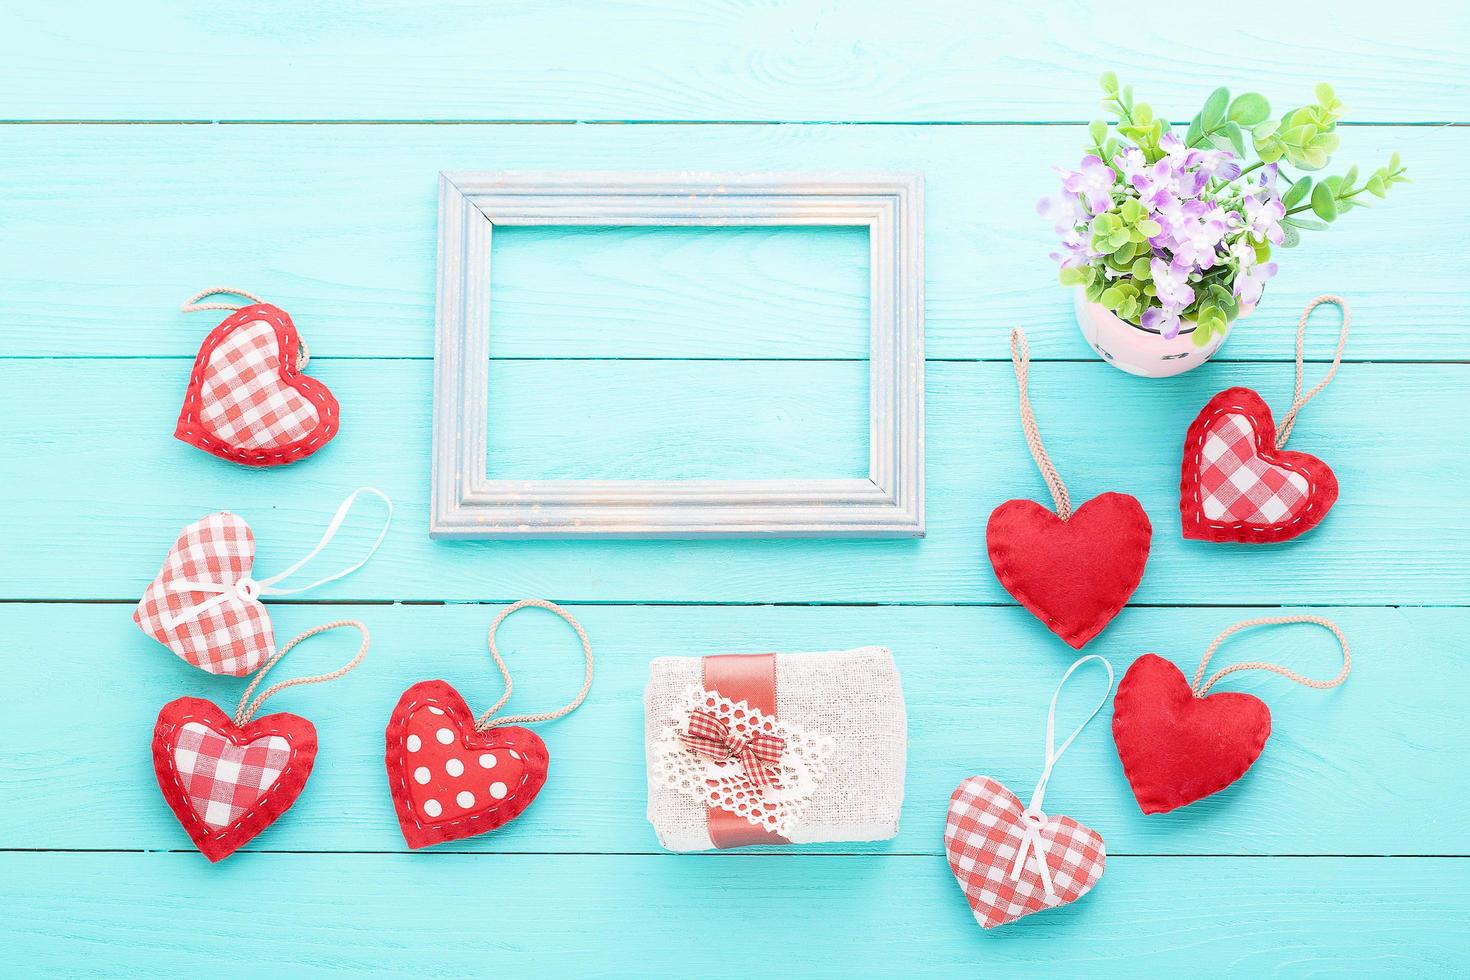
(774, 748)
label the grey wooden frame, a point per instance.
(466, 503)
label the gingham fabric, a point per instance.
(223, 779)
(244, 401)
(985, 829)
(759, 755)
(234, 636)
(1237, 485)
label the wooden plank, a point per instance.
(617, 916)
(92, 441)
(109, 228)
(1352, 764)
(666, 60)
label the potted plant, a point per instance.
(1167, 240)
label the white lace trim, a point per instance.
(724, 784)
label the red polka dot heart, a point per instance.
(453, 776)
(450, 781)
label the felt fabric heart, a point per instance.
(247, 399)
(224, 783)
(1177, 747)
(231, 633)
(983, 833)
(450, 781)
(1073, 575)
(1235, 487)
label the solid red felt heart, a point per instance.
(224, 783)
(1177, 748)
(247, 399)
(1235, 487)
(1073, 575)
(449, 781)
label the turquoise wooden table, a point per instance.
(151, 149)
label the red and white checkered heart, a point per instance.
(982, 835)
(248, 400)
(1234, 486)
(224, 783)
(232, 634)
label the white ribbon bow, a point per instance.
(247, 588)
(1033, 820)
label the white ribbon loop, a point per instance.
(247, 588)
(1033, 819)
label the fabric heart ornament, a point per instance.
(450, 780)
(227, 779)
(453, 776)
(1010, 860)
(248, 400)
(204, 604)
(1177, 742)
(1071, 569)
(1237, 482)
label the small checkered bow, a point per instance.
(759, 754)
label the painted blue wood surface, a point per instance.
(623, 353)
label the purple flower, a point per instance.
(1266, 180)
(1065, 210)
(1165, 177)
(1219, 164)
(1195, 230)
(1131, 162)
(1164, 321)
(1263, 218)
(1074, 253)
(1249, 283)
(1171, 282)
(1094, 182)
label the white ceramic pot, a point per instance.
(1138, 351)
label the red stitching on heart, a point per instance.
(191, 429)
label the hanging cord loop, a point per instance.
(248, 708)
(1021, 358)
(1347, 655)
(250, 588)
(485, 720)
(1033, 819)
(1298, 400)
(192, 305)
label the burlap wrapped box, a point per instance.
(788, 748)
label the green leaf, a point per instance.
(1213, 114)
(1376, 186)
(1323, 203)
(1237, 139)
(1195, 133)
(1143, 114)
(1098, 131)
(1304, 224)
(1266, 129)
(1109, 82)
(1248, 109)
(1325, 95)
(1298, 191)
(1201, 335)
(1149, 227)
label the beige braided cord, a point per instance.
(485, 720)
(1021, 358)
(1298, 400)
(192, 305)
(1347, 655)
(243, 713)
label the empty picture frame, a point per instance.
(467, 502)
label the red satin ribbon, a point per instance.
(749, 677)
